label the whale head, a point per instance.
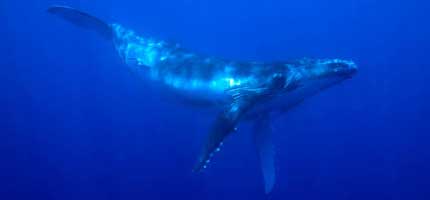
(330, 69)
(321, 72)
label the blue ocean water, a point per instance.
(76, 124)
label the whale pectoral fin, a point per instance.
(266, 151)
(224, 124)
(221, 128)
(242, 99)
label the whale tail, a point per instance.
(83, 20)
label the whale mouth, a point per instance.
(344, 68)
(351, 71)
(347, 73)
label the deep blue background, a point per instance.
(76, 124)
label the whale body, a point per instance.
(240, 91)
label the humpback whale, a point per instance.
(240, 91)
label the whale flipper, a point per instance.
(224, 125)
(243, 99)
(266, 151)
(82, 19)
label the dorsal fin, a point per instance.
(82, 19)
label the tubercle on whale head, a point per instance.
(311, 69)
(335, 67)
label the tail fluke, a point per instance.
(83, 20)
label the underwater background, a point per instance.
(76, 124)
